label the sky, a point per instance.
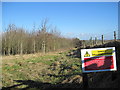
(72, 19)
(60, 0)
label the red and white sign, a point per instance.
(98, 59)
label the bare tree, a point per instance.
(18, 40)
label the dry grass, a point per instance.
(33, 67)
(27, 56)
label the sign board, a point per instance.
(98, 59)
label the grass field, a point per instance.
(58, 69)
(38, 68)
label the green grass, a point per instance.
(44, 59)
(35, 67)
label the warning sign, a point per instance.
(87, 54)
(102, 52)
(98, 59)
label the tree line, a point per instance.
(17, 40)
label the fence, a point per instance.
(101, 39)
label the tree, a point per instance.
(17, 40)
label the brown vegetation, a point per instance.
(16, 40)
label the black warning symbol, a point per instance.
(87, 54)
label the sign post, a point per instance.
(85, 80)
(97, 60)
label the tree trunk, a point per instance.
(43, 47)
(4, 47)
(12, 51)
(21, 48)
(54, 45)
(8, 50)
(18, 49)
(4, 52)
(34, 46)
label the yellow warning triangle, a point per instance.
(87, 54)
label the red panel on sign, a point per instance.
(98, 63)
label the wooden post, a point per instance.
(114, 35)
(95, 40)
(102, 39)
(85, 81)
(90, 41)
